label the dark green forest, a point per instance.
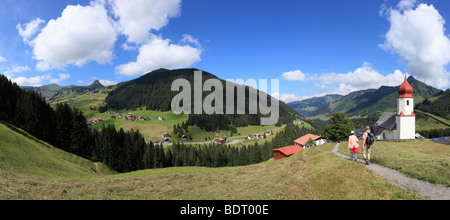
(439, 107)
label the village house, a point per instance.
(221, 140)
(251, 137)
(159, 118)
(166, 135)
(164, 141)
(284, 152)
(94, 121)
(318, 140)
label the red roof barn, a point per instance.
(284, 152)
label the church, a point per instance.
(400, 125)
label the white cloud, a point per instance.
(62, 77)
(108, 82)
(406, 4)
(418, 36)
(138, 18)
(32, 81)
(16, 69)
(187, 38)
(295, 75)
(365, 77)
(159, 53)
(29, 30)
(2, 59)
(39, 80)
(82, 34)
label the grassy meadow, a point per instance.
(31, 169)
(423, 160)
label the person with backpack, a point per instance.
(368, 140)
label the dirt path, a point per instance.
(425, 189)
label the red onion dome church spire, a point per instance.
(405, 90)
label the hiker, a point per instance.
(368, 139)
(353, 146)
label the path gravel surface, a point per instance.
(425, 189)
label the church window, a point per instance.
(407, 103)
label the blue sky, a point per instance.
(314, 47)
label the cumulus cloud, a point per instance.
(2, 59)
(108, 82)
(10, 71)
(406, 4)
(295, 75)
(82, 34)
(32, 81)
(29, 30)
(138, 18)
(418, 36)
(61, 77)
(160, 53)
(189, 39)
(365, 77)
(39, 80)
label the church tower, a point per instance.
(406, 119)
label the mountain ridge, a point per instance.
(370, 102)
(153, 90)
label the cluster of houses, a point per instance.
(132, 117)
(260, 135)
(299, 144)
(128, 116)
(119, 115)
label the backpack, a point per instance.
(370, 138)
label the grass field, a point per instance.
(423, 160)
(30, 169)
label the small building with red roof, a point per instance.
(284, 152)
(318, 140)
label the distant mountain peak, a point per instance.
(96, 84)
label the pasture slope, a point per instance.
(31, 169)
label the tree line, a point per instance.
(435, 133)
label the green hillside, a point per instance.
(33, 170)
(29, 155)
(153, 91)
(438, 105)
